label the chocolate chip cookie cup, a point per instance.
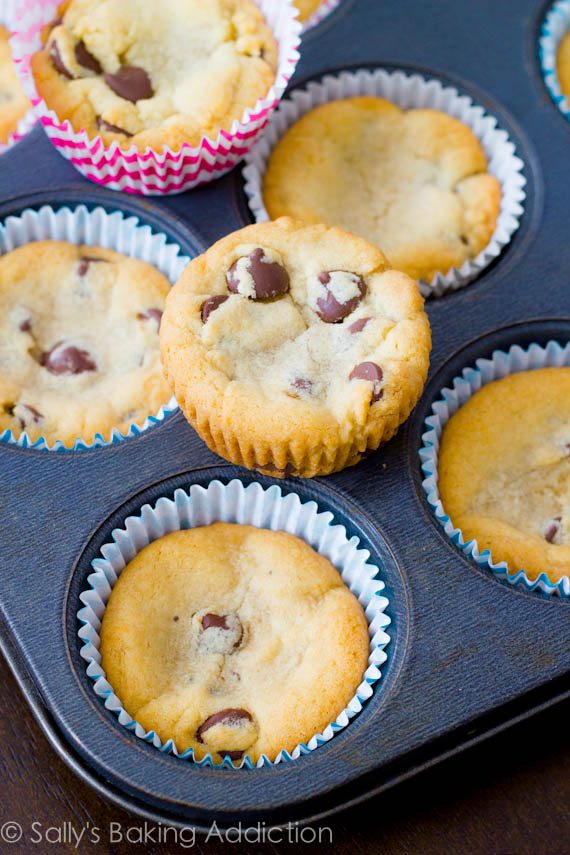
(501, 365)
(554, 54)
(105, 154)
(295, 349)
(84, 228)
(264, 509)
(406, 92)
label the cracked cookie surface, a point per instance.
(79, 347)
(13, 103)
(231, 639)
(504, 471)
(295, 349)
(155, 74)
(414, 183)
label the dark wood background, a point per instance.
(510, 796)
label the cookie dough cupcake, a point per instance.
(413, 182)
(504, 471)
(155, 75)
(79, 347)
(13, 103)
(207, 627)
(563, 66)
(295, 349)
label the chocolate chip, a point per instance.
(210, 305)
(552, 528)
(371, 372)
(86, 59)
(36, 415)
(85, 261)
(175, 618)
(26, 325)
(300, 386)
(58, 62)
(332, 310)
(233, 755)
(67, 359)
(270, 279)
(151, 315)
(8, 408)
(113, 129)
(229, 717)
(131, 83)
(358, 325)
(221, 633)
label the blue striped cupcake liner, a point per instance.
(451, 399)
(97, 227)
(554, 28)
(251, 505)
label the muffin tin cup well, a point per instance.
(452, 398)
(8, 16)
(555, 26)
(166, 171)
(250, 505)
(407, 91)
(97, 227)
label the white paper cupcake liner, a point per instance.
(407, 91)
(555, 26)
(156, 172)
(116, 231)
(471, 380)
(251, 505)
(9, 10)
(320, 13)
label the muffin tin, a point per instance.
(468, 655)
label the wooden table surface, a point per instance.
(510, 796)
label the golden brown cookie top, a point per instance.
(79, 347)
(413, 182)
(155, 74)
(231, 640)
(504, 471)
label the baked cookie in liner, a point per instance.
(413, 182)
(295, 349)
(233, 640)
(13, 102)
(504, 471)
(79, 348)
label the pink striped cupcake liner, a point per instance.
(320, 13)
(9, 12)
(156, 172)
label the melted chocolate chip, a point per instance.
(151, 315)
(58, 62)
(233, 755)
(358, 325)
(86, 59)
(85, 261)
(299, 386)
(229, 636)
(371, 372)
(26, 325)
(217, 621)
(9, 408)
(551, 529)
(274, 470)
(270, 279)
(175, 618)
(67, 359)
(210, 305)
(131, 83)
(229, 717)
(113, 129)
(36, 415)
(329, 309)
